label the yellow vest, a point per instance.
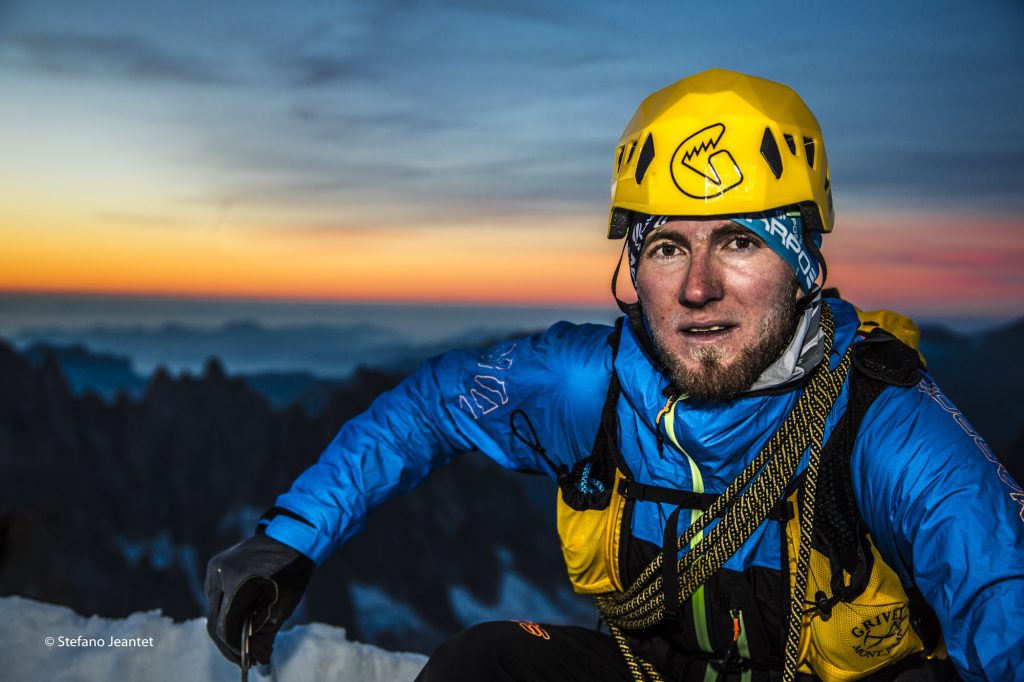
(853, 640)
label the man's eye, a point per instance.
(664, 250)
(743, 242)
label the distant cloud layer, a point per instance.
(487, 102)
(399, 116)
(123, 56)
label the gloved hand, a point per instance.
(258, 575)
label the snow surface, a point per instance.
(180, 651)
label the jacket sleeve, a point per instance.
(455, 403)
(947, 515)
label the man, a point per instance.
(753, 482)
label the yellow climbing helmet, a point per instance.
(721, 143)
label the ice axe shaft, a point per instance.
(246, 661)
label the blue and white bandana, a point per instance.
(780, 229)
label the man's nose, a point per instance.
(702, 283)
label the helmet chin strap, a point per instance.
(634, 313)
(623, 305)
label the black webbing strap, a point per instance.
(605, 449)
(838, 523)
(688, 499)
(670, 567)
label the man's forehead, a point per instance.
(697, 228)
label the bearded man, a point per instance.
(755, 480)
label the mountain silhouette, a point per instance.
(114, 507)
(115, 489)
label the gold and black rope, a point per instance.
(744, 505)
(799, 590)
(639, 669)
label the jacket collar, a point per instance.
(647, 386)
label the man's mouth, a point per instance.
(707, 328)
(707, 332)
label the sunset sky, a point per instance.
(460, 150)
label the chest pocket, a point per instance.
(849, 636)
(590, 539)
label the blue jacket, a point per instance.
(941, 509)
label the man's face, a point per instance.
(721, 305)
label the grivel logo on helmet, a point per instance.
(701, 170)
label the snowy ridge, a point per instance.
(151, 647)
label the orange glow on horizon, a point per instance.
(448, 265)
(911, 262)
(930, 264)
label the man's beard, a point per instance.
(715, 381)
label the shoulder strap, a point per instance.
(589, 484)
(880, 360)
(605, 450)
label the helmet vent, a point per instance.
(618, 163)
(809, 148)
(632, 148)
(646, 156)
(770, 152)
(790, 142)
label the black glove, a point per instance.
(259, 576)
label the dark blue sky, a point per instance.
(511, 102)
(343, 118)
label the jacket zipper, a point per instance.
(700, 617)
